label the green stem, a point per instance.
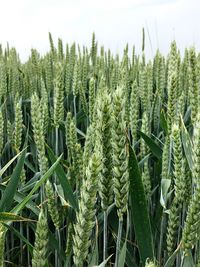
(105, 235)
(161, 237)
(21, 244)
(57, 261)
(56, 143)
(28, 253)
(119, 236)
(75, 108)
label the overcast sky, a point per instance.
(25, 23)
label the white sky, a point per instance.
(25, 23)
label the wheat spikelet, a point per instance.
(18, 126)
(134, 111)
(103, 135)
(41, 240)
(120, 153)
(179, 191)
(38, 130)
(85, 216)
(192, 223)
(52, 205)
(58, 96)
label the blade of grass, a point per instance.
(19, 197)
(7, 198)
(21, 205)
(67, 190)
(155, 149)
(139, 210)
(7, 216)
(187, 145)
(9, 163)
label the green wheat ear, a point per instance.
(104, 134)
(190, 234)
(38, 130)
(69, 243)
(52, 205)
(120, 153)
(134, 111)
(18, 126)
(86, 214)
(179, 190)
(58, 96)
(41, 240)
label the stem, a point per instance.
(105, 235)
(28, 254)
(56, 144)
(21, 244)
(161, 237)
(75, 108)
(57, 260)
(118, 242)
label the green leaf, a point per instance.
(7, 198)
(7, 216)
(103, 264)
(19, 197)
(171, 259)
(139, 210)
(165, 185)
(53, 245)
(163, 121)
(122, 256)
(94, 252)
(50, 171)
(9, 163)
(80, 132)
(67, 190)
(188, 260)
(155, 149)
(187, 145)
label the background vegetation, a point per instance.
(100, 158)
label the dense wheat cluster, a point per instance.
(99, 157)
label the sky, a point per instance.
(25, 24)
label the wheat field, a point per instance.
(99, 157)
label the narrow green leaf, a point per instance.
(7, 198)
(165, 185)
(171, 259)
(163, 121)
(103, 264)
(187, 145)
(188, 260)
(67, 190)
(19, 197)
(50, 171)
(139, 210)
(122, 256)
(9, 163)
(155, 149)
(7, 216)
